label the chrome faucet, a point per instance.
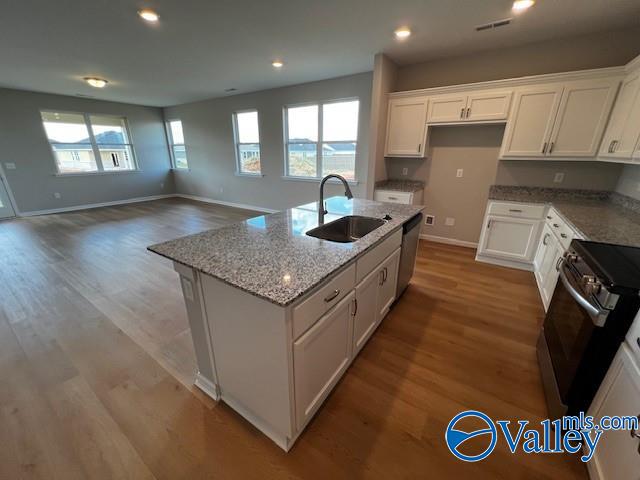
(322, 208)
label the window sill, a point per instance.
(91, 174)
(250, 175)
(317, 180)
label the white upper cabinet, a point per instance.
(529, 128)
(406, 127)
(582, 117)
(482, 106)
(623, 131)
(446, 108)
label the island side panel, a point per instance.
(206, 377)
(250, 340)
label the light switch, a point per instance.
(10, 166)
(459, 173)
(450, 222)
(559, 177)
(405, 171)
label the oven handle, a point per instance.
(598, 315)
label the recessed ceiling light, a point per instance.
(148, 15)
(403, 32)
(522, 5)
(96, 82)
(277, 63)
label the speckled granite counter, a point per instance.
(271, 256)
(400, 185)
(600, 216)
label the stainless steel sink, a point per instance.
(346, 229)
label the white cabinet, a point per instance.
(320, 357)
(393, 196)
(559, 120)
(387, 284)
(509, 238)
(623, 130)
(365, 319)
(406, 127)
(482, 106)
(582, 117)
(549, 252)
(531, 121)
(618, 452)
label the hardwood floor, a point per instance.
(96, 364)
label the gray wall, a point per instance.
(629, 182)
(208, 134)
(33, 182)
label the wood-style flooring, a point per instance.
(96, 364)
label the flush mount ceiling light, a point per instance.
(522, 5)
(148, 15)
(96, 82)
(277, 64)
(403, 32)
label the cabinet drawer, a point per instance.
(376, 256)
(318, 303)
(520, 210)
(393, 197)
(560, 228)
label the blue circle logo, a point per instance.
(456, 438)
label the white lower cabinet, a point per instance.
(365, 320)
(618, 453)
(549, 252)
(509, 238)
(388, 284)
(320, 357)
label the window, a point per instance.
(84, 143)
(322, 139)
(176, 139)
(247, 140)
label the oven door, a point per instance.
(570, 322)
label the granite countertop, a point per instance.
(599, 216)
(400, 185)
(271, 256)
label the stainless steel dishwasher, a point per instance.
(410, 237)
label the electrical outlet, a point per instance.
(450, 222)
(57, 195)
(10, 166)
(459, 173)
(162, 185)
(558, 178)
(429, 220)
(405, 171)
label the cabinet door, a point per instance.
(406, 127)
(582, 116)
(488, 106)
(618, 454)
(447, 109)
(529, 127)
(542, 250)
(509, 238)
(365, 319)
(550, 277)
(387, 284)
(320, 357)
(621, 126)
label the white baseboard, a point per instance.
(244, 206)
(88, 206)
(448, 241)
(207, 386)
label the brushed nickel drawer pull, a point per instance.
(546, 237)
(551, 147)
(392, 198)
(515, 210)
(556, 225)
(563, 235)
(544, 148)
(462, 113)
(332, 296)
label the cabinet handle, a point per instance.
(419, 147)
(332, 296)
(546, 237)
(515, 210)
(549, 217)
(563, 235)
(392, 198)
(468, 112)
(610, 150)
(489, 224)
(615, 146)
(556, 225)
(462, 113)
(355, 306)
(381, 281)
(544, 148)
(386, 274)
(551, 146)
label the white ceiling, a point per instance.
(202, 47)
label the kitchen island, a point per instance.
(277, 315)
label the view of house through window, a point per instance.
(85, 143)
(178, 150)
(313, 153)
(247, 139)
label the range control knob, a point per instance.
(591, 284)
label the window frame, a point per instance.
(237, 143)
(170, 142)
(95, 147)
(320, 142)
